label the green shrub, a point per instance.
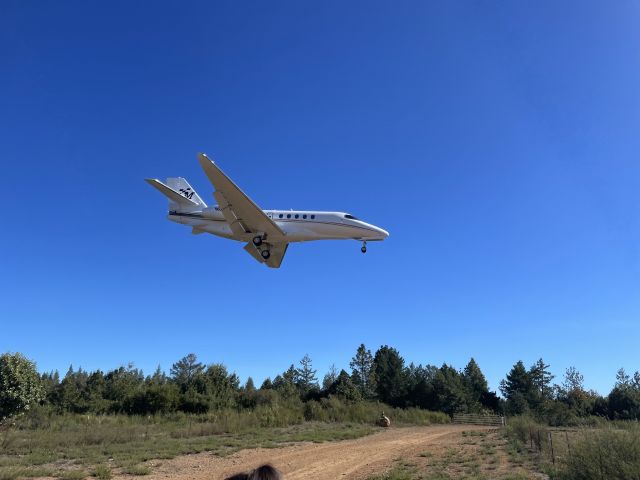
(102, 471)
(524, 428)
(598, 454)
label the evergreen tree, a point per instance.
(388, 367)
(305, 376)
(541, 379)
(285, 383)
(624, 399)
(74, 395)
(420, 387)
(186, 371)
(330, 377)
(517, 389)
(475, 384)
(344, 387)
(362, 371)
(51, 384)
(266, 384)
(158, 377)
(573, 380)
(221, 386)
(96, 386)
(249, 386)
(622, 379)
(449, 390)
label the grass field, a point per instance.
(527, 450)
(606, 450)
(97, 451)
(76, 446)
(477, 455)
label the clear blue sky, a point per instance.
(498, 143)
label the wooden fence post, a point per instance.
(553, 457)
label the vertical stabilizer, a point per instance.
(181, 186)
(182, 197)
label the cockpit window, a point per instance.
(350, 217)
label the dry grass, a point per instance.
(102, 444)
(476, 455)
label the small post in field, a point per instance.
(553, 457)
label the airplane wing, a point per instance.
(243, 216)
(277, 253)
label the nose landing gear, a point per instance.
(363, 249)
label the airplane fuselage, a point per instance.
(267, 233)
(299, 226)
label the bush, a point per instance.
(604, 454)
(20, 385)
(523, 427)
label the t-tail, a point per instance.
(182, 197)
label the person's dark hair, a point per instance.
(238, 476)
(265, 472)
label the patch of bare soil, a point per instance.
(352, 459)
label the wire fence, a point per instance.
(551, 444)
(479, 419)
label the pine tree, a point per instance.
(285, 383)
(573, 381)
(249, 386)
(344, 387)
(220, 386)
(388, 367)
(475, 382)
(622, 379)
(158, 377)
(330, 377)
(517, 389)
(305, 376)
(362, 371)
(449, 390)
(186, 370)
(541, 379)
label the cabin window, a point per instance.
(297, 215)
(281, 215)
(312, 217)
(304, 216)
(288, 215)
(350, 217)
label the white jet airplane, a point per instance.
(268, 232)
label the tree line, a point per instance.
(383, 376)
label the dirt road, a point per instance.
(352, 459)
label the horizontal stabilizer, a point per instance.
(174, 196)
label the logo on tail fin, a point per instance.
(188, 193)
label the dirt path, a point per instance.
(352, 459)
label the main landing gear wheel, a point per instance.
(257, 240)
(265, 254)
(364, 247)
